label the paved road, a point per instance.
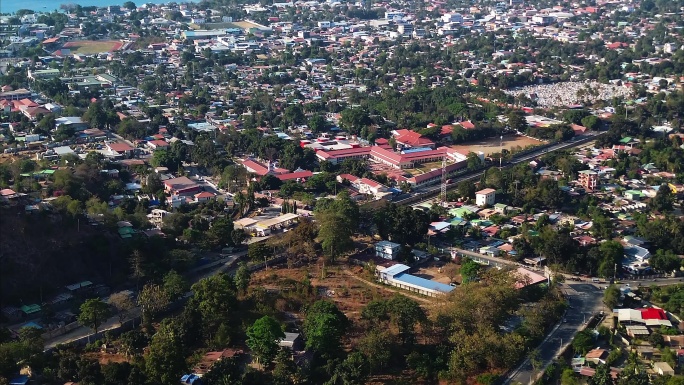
(223, 265)
(585, 299)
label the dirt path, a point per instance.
(386, 288)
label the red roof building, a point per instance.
(410, 138)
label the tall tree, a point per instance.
(324, 327)
(94, 312)
(263, 337)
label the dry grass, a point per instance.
(492, 145)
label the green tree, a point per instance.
(376, 345)
(263, 337)
(517, 121)
(338, 220)
(665, 261)
(165, 361)
(242, 277)
(215, 300)
(221, 231)
(32, 338)
(591, 122)
(258, 251)
(568, 377)
(470, 270)
(94, 312)
(324, 327)
(405, 313)
(583, 342)
(663, 200)
(175, 285)
(352, 371)
(611, 296)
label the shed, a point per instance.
(292, 341)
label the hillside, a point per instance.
(42, 252)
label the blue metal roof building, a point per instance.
(396, 276)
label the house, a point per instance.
(292, 341)
(204, 196)
(158, 144)
(638, 253)
(181, 186)
(387, 250)
(663, 369)
(597, 356)
(485, 197)
(120, 148)
(74, 122)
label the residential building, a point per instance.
(485, 197)
(589, 179)
(387, 250)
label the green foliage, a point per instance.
(470, 270)
(602, 376)
(583, 342)
(263, 337)
(352, 371)
(258, 251)
(175, 285)
(324, 327)
(93, 313)
(611, 296)
(338, 220)
(165, 361)
(215, 301)
(401, 224)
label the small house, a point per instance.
(292, 341)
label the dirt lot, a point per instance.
(349, 294)
(438, 271)
(492, 145)
(88, 47)
(246, 25)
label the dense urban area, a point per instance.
(327, 192)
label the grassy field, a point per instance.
(89, 47)
(493, 145)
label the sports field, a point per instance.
(89, 47)
(493, 145)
